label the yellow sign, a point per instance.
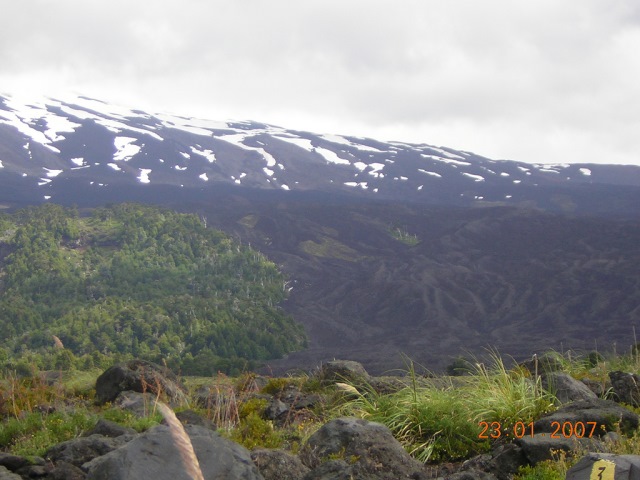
(603, 470)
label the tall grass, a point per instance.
(507, 396)
(435, 422)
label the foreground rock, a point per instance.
(607, 415)
(361, 450)
(278, 464)
(139, 376)
(154, 455)
(605, 466)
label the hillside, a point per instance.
(372, 281)
(131, 280)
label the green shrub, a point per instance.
(35, 433)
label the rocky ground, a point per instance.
(343, 448)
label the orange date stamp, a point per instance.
(496, 430)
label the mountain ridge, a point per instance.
(105, 146)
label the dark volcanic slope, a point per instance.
(520, 281)
(390, 247)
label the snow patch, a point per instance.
(179, 168)
(125, 148)
(585, 171)
(115, 166)
(445, 160)
(303, 143)
(331, 157)
(144, 175)
(433, 174)
(204, 177)
(268, 171)
(362, 185)
(446, 154)
(208, 154)
(285, 187)
(476, 178)
(52, 173)
(78, 161)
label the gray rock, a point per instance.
(139, 376)
(278, 464)
(566, 388)
(80, 450)
(189, 417)
(626, 387)
(541, 446)
(545, 363)
(605, 413)
(472, 475)
(107, 428)
(154, 455)
(275, 408)
(6, 474)
(343, 371)
(66, 471)
(621, 467)
(502, 463)
(368, 448)
(12, 462)
(332, 470)
(140, 404)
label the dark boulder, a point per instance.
(140, 404)
(153, 454)
(278, 464)
(545, 363)
(139, 376)
(65, 471)
(606, 465)
(566, 388)
(107, 428)
(343, 371)
(6, 474)
(368, 448)
(12, 462)
(541, 446)
(80, 450)
(626, 387)
(606, 414)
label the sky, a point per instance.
(542, 81)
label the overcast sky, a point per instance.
(549, 81)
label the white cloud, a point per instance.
(536, 81)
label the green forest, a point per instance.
(135, 281)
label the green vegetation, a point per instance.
(329, 248)
(135, 281)
(401, 234)
(437, 419)
(436, 423)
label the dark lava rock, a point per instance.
(153, 454)
(566, 388)
(343, 371)
(78, 451)
(107, 428)
(278, 464)
(139, 376)
(368, 448)
(605, 413)
(626, 387)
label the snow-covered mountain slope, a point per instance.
(96, 144)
